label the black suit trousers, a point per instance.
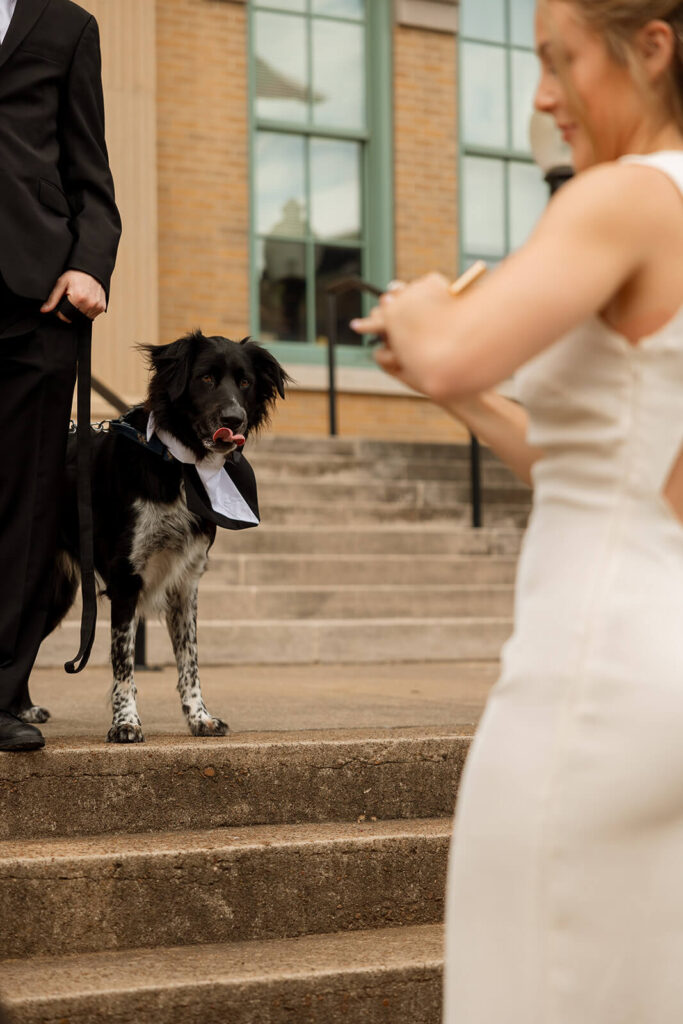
(37, 376)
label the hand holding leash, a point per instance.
(75, 295)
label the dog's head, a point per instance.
(202, 385)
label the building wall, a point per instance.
(202, 119)
(182, 178)
(128, 41)
(425, 152)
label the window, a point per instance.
(502, 191)
(321, 116)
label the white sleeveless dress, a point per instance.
(565, 890)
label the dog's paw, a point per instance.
(34, 715)
(125, 733)
(208, 727)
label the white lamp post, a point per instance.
(551, 152)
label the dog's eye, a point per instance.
(208, 379)
(244, 383)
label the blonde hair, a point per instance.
(618, 21)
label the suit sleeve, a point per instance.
(85, 164)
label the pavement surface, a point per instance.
(276, 698)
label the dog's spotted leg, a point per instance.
(34, 715)
(181, 619)
(125, 726)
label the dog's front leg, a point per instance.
(126, 726)
(181, 619)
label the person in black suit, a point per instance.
(59, 233)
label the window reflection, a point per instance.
(335, 189)
(310, 75)
(528, 199)
(484, 206)
(286, 5)
(483, 19)
(332, 263)
(524, 82)
(522, 22)
(340, 8)
(484, 95)
(281, 67)
(339, 74)
(282, 290)
(280, 184)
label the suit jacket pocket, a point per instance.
(52, 196)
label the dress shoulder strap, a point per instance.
(668, 161)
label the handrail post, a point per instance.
(475, 481)
(332, 358)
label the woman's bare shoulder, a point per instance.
(616, 197)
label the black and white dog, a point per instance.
(206, 395)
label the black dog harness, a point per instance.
(236, 467)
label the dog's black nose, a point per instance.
(232, 422)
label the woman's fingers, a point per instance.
(386, 359)
(371, 324)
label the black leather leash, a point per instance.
(83, 327)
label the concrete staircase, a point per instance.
(271, 878)
(365, 555)
(264, 880)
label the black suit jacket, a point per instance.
(57, 208)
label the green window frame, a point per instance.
(375, 141)
(502, 191)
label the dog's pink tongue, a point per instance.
(226, 434)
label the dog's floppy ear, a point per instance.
(172, 363)
(267, 369)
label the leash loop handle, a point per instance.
(84, 494)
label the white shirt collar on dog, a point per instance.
(223, 494)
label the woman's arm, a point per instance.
(502, 425)
(594, 237)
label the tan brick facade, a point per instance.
(425, 152)
(379, 416)
(202, 86)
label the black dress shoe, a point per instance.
(16, 735)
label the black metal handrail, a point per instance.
(109, 396)
(357, 284)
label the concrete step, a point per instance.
(347, 570)
(306, 513)
(348, 469)
(369, 540)
(354, 602)
(270, 778)
(361, 449)
(224, 885)
(300, 642)
(370, 977)
(225, 600)
(297, 493)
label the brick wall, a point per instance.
(203, 167)
(425, 119)
(378, 416)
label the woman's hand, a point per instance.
(413, 321)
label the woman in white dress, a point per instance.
(565, 892)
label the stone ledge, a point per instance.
(434, 15)
(350, 380)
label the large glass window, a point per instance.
(313, 107)
(502, 191)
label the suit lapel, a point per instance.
(26, 14)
